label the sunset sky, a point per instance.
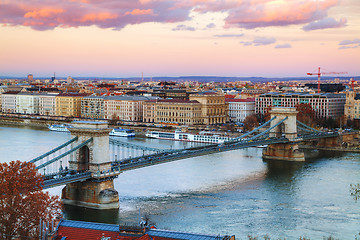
(123, 38)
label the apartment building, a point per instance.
(352, 105)
(8, 101)
(47, 104)
(93, 107)
(213, 106)
(125, 108)
(69, 104)
(27, 103)
(239, 109)
(325, 105)
(173, 111)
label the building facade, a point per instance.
(47, 104)
(93, 107)
(213, 106)
(352, 105)
(69, 104)
(27, 103)
(239, 109)
(325, 105)
(8, 101)
(124, 108)
(173, 111)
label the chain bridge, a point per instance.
(88, 163)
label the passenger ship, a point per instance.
(205, 137)
(121, 132)
(59, 127)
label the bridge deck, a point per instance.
(163, 157)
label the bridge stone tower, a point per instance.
(287, 129)
(98, 193)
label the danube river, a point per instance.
(224, 193)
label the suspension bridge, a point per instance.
(88, 163)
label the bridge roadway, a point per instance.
(64, 177)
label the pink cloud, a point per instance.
(260, 41)
(48, 14)
(264, 13)
(140, 12)
(325, 23)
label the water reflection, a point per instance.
(91, 215)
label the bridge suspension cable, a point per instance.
(306, 126)
(254, 130)
(305, 129)
(54, 150)
(64, 154)
(269, 129)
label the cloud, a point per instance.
(346, 44)
(325, 23)
(259, 41)
(252, 14)
(211, 25)
(350, 42)
(285, 45)
(347, 47)
(116, 14)
(229, 35)
(263, 41)
(246, 43)
(183, 27)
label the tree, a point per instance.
(267, 114)
(306, 113)
(22, 201)
(250, 122)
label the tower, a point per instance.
(287, 129)
(98, 192)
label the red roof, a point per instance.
(72, 233)
(239, 100)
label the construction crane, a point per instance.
(352, 83)
(319, 73)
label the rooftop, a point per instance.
(69, 230)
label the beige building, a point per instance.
(352, 106)
(173, 111)
(47, 104)
(93, 107)
(8, 101)
(124, 108)
(27, 103)
(69, 104)
(213, 106)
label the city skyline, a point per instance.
(108, 38)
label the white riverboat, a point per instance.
(59, 127)
(205, 137)
(121, 132)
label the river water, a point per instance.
(229, 193)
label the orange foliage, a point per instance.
(22, 201)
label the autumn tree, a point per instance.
(22, 201)
(306, 114)
(250, 122)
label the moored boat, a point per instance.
(59, 127)
(121, 132)
(205, 137)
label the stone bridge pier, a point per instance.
(98, 193)
(287, 129)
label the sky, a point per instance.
(128, 38)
